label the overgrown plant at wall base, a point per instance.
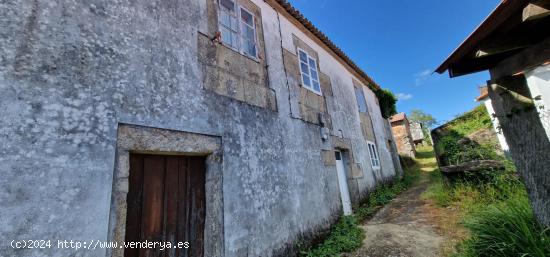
(346, 235)
(387, 102)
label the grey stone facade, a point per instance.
(75, 75)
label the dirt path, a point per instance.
(406, 227)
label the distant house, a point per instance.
(513, 44)
(416, 133)
(401, 131)
(484, 97)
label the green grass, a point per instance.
(346, 235)
(505, 229)
(497, 214)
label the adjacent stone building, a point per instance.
(417, 133)
(401, 131)
(234, 125)
(513, 44)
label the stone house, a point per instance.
(417, 133)
(513, 44)
(401, 131)
(126, 120)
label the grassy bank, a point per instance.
(346, 235)
(491, 205)
(496, 213)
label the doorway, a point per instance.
(343, 182)
(166, 203)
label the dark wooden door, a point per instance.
(166, 203)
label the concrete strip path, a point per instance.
(406, 227)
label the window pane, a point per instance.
(250, 48)
(234, 24)
(234, 39)
(224, 18)
(306, 80)
(312, 64)
(304, 68)
(314, 73)
(247, 17)
(248, 32)
(316, 86)
(226, 35)
(228, 4)
(303, 56)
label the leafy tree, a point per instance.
(427, 120)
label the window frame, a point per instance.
(239, 31)
(241, 34)
(374, 156)
(311, 80)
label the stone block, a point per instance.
(328, 157)
(326, 85)
(356, 170)
(255, 95)
(271, 100)
(313, 100)
(236, 90)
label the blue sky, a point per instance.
(399, 43)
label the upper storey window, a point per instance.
(361, 102)
(310, 75)
(238, 28)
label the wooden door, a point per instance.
(166, 203)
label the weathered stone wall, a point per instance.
(513, 102)
(71, 72)
(416, 132)
(403, 138)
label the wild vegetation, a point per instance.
(427, 121)
(492, 205)
(387, 101)
(346, 235)
(451, 146)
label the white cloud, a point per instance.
(422, 76)
(404, 96)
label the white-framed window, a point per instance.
(374, 159)
(237, 26)
(309, 72)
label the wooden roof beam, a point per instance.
(536, 10)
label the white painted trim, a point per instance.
(309, 74)
(375, 153)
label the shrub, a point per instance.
(345, 236)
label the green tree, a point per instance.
(427, 120)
